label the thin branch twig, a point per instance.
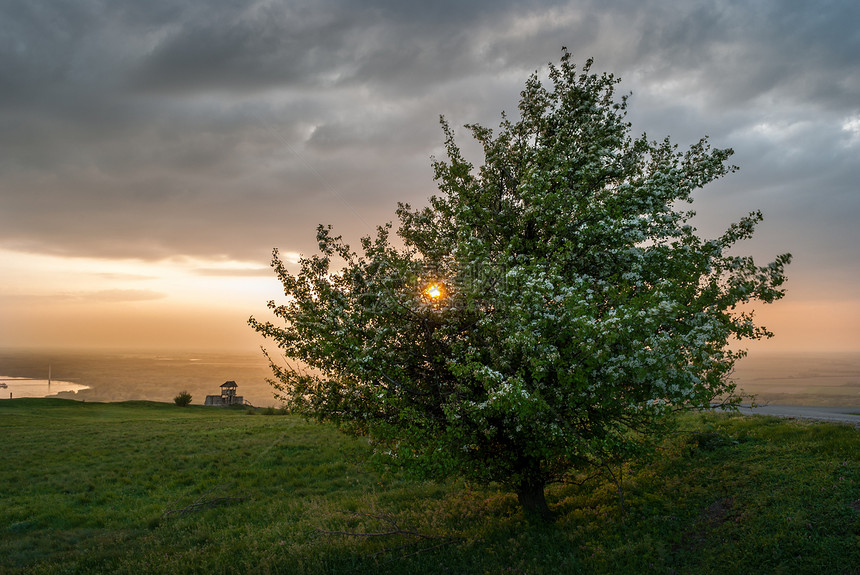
(205, 501)
(395, 530)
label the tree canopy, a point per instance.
(546, 311)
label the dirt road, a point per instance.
(839, 414)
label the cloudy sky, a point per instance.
(153, 153)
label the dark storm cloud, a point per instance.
(741, 51)
(221, 129)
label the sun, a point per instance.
(434, 291)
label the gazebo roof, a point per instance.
(229, 384)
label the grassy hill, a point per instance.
(143, 487)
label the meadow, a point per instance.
(145, 487)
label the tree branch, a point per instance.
(394, 530)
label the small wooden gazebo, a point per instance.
(228, 392)
(228, 396)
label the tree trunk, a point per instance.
(532, 500)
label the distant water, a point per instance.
(153, 376)
(820, 379)
(817, 379)
(24, 387)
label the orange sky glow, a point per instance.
(187, 303)
(84, 302)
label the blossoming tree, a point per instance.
(548, 310)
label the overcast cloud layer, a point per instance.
(222, 129)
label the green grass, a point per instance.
(112, 488)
